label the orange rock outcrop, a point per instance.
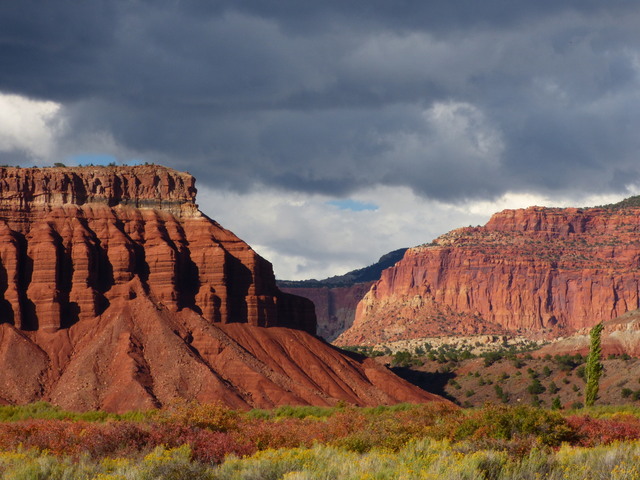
(534, 271)
(117, 293)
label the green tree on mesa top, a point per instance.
(593, 369)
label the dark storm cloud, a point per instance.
(453, 99)
(52, 50)
(434, 15)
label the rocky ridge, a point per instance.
(540, 272)
(117, 293)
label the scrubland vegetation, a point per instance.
(190, 441)
(512, 375)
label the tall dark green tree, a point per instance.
(594, 367)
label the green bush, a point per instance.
(535, 387)
(492, 357)
(435, 440)
(502, 395)
(568, 362)
(303, 411)
(518, 362)
(506, 422)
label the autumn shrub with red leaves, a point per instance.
(61, 437)
(602, 431)
(206, 445)
(65, 437)
(213, 431)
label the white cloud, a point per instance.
(304, 237)
(463, 126)
(29, 126)
(512, 200)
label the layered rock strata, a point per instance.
(116, 293)
(535, 271)
(70, 235)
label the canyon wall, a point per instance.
(117, 293)
(535, 271)
(335, 306)
(336, 298)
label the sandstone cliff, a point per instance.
(116, 292)
(534, 271)
(70, 235)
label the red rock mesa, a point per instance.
(534, 271)
(117, 293)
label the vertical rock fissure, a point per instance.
(69, 311)
(6, 310)
(28, 318)
(238, 278)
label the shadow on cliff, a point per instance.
(29, 320)
(188, 272)
(432, 382)
(238, 282)
(6, 310)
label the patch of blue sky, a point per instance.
(354, 205)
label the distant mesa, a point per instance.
(539, 272)
(117, 293)
(336, 298)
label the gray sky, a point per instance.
(328, 133)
